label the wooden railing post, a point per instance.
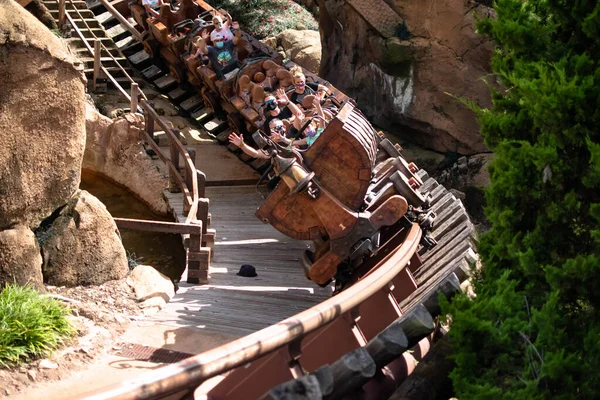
(173, 187)
(134, 98)
(191, 175)
(202, 214)
(198, 258)
(149, 122)
(97, 53)
(201, 182)
(62, 14)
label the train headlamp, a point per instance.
(293, 174)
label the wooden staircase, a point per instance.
(91, 28)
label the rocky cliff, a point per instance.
(42, 141)
(402, 61)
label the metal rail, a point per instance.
(190, 373)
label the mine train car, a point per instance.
(348, 193)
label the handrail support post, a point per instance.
(62, 14)
(134, 97)
(97, 65)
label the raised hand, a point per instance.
(317, 100)
(281, 95)
(235, 25)
(237, 140)
(204, 34)
(276, 136)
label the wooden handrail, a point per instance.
(102, 46)
(191, 372)
(122, 20)
(190, 168)
(190, 194)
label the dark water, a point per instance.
(163, 251)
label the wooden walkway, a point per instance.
(235, 305)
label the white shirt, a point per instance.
(225, 33)
(151, 3)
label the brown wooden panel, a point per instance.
(291, 215)
(326, 344)
(376, 314)
(253, 380)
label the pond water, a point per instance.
(163, 251)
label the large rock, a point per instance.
(83, 245)
(151, 288)
(20, 259)
(42, 119)
(303, 48)
(402, 68)
(114, 149)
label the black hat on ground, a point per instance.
(247, 270)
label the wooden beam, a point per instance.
(158, 226)
(97, 64)
(61, 13)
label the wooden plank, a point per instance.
(158, 226)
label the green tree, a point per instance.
(533, 330)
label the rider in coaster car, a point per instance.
(277, 132)
(221, 29)
(313, 127)
(222, 54)
(302, 88)
(151, 7)
(273, 109)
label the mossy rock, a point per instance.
(395, 51)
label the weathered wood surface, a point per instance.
(236, 305)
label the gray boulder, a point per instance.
(42, 119)
(83, 245)
(20, 259)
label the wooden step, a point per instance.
(87, 23)
(202, 114)
(105, 17)
(125, 42)
(86, 14)
(178, 93)
(223, 137)
(89, 34)
(165, 82)
(192, 103)
(260, 164)
(215, 126)
(152, 72)
(139, 57)
(117, 32)
(53, 5)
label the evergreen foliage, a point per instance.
(30, 325)
(533, 331)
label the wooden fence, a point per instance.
(200, 241)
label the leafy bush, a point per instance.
(532, 331)
(261, 18)
(31, 325)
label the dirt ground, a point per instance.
(108, 320)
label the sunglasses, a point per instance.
(269, 102)
(279, 128)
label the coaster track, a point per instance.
(361, 338)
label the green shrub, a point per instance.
(31, 325)
(532, 331)
(261, 18)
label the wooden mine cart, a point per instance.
(348, 185)
(240, 96)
